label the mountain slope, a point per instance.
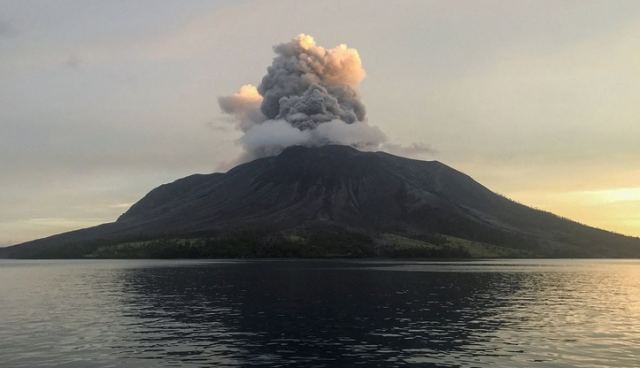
(319, 197)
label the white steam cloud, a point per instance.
(309, 96)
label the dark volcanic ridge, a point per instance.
(331, 201)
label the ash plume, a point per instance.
(309, 96)
(307, 85)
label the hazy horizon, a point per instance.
(103, 101)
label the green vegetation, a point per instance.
(325, 244)
(392, 245)
(243, 245)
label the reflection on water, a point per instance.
(545, 313)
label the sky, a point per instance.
(101, 101)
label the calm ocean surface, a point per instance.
(502, 313)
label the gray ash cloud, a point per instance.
(309, 96)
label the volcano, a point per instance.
(331, 201)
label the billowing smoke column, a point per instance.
(308, 97)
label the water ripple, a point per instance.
(543, 313)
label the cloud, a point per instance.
(120, 205)
(413, 149)
(307, 84)
(272, 136)
(73, 62)
(308, 97)
(6, 28)
(244, 106)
